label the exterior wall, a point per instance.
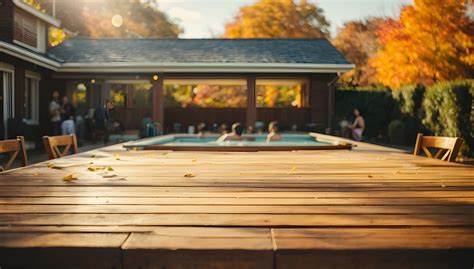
(6, 21)
(32, 133)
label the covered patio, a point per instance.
(144, 76)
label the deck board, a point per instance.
(162, 209)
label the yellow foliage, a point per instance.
(56, 36)
(282, 19)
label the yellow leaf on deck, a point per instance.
(35, 174)
(93, 156)
(293, 168)
(110, 168)
(370, 176)
(189, 175)
(69, 177)
(194, 160)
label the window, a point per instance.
(25, 28)
(205, 92)
(131, 94)
(282, 93)
(31, 105)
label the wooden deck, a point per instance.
(365, 208)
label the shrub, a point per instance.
(375, 104)
(447, 107)
(397, 132)
(410, 99)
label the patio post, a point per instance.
(251, 110)
(319, 97)
(158, 108)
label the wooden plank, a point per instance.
(374, 248)
(192, 250)
(239, 209)
(441, 193)
(61, 250)
(240, 220)
(235, 201)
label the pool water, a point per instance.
(211, 141)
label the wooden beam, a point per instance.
(158, 103)
(251, 111)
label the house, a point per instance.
(143, 75)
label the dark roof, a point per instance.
(309, 51)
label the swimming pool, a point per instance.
(251, 142)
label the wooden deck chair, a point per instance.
(52, 144)
(14, 147)
(449, 145)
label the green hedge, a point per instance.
(443, 109)
(375, 104)
(447, 111)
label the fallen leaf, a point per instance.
(110, 168)
(93, 156)
(69, 177)
(194, 160)
(370, 176)
(293, 168)
(91, 163)
(189, 175)
(164, 153)
(109, 176)
(35, 174)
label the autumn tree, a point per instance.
(432, 41)
(358, 41)
(278, 19)
(140, 18)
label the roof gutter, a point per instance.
(28, 56)
(153, 67)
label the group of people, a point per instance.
(65, 120)
(238, 131)
(62, 115)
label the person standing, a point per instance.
(100, 118)
(358, 126)
(55, 114)
(68, 117)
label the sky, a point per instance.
(206, 18)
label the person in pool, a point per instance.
(235, 135)
(273, 132)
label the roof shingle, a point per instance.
(304, 51)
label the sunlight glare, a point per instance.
(117, 20)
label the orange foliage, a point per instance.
(358, 41)
(278, 19)
(432, 41)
